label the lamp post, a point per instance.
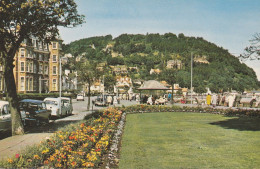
(191, 77)
(60, 85)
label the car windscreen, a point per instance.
(51, 102)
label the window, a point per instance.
(54, 84)
(34, 68)
(40, 45)
(31, 67)
(22, 83)
(54, 70)
(40, 57)
(45, 46)
(54, 58)
(35, 43)
(54, 45)
(27, 67)
(22, 52)
(31, 84)
(27, 84)
(46, 69)
(40, 68)
(28, 54)
(22, 67)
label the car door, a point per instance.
(5, 118)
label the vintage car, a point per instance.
(66, 101)
(55, 105)
(5, 117)
(35, 111)
(108, 99)
(80, 97)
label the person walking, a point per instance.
(214, 100)
(208, 99)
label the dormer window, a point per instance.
(54, 45)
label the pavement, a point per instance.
(13, 145)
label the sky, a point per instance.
(227, 23)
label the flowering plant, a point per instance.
(83, 145)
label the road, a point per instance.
(79, 112)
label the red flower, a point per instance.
(17, 155)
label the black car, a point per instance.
(35, 110)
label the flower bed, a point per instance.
(77, 146)
(155, 108)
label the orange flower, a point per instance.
(82, 125)
(46, 162)
(10, 160)
(73, 164)
(36, 157)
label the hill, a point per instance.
(213, 66)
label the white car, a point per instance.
(54, 104)
(66, 101)
(5, 117)
(80, 97)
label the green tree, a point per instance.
(21, 20)
(110, 82)
(88, 73)
(169, 75)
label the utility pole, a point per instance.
(191, 77)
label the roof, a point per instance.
(152, 85)
(51, 99)
(2, 103)
(31, 101)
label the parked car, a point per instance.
(54, 105)
(66, 101)
(80, 97)
(35, 111)
(5, 117)
(99, 100)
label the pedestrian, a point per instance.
(214, 100)
(231, 100)
(237, 99)
(208, 99)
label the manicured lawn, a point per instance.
(190, 140)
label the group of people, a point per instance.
(230, 100)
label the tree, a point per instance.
(110, 82)
(21, 20)
(169, 75)
(253, 51)
(88, 72)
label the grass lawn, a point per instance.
(190, 140)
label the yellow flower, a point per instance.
(10, 160)
(45, 151)
(36, 157)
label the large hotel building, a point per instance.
(36, 67)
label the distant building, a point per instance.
(155, 71)
(119, 69)
(174, 64)
(202, 59)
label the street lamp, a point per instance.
(191, 77)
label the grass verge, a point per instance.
(190, 140)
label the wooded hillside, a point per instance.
(213, 67)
